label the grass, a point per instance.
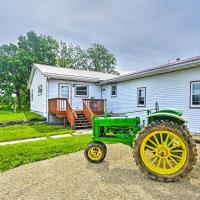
(12, 156)
(17, 132)
(9, 115)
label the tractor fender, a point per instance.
(166, 116)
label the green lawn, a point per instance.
(9, 115)
(12, 156)
(16, 132)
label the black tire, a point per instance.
(101, 146)
(183, 133)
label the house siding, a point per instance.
(93, 91)
(170, 90)
(39, 103)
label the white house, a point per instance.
(174, 85)
(53, 85)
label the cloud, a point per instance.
(140, 33)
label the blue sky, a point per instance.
(140, 33)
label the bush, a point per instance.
(6, 106)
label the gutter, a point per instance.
(72, 78)
(154, 71)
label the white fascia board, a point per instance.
(31, 77)
(151, 72)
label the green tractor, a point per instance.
(163, 149)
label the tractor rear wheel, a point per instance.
(95, 152)
(165, 151)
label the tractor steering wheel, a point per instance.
(156, 106)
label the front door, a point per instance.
(64, 91)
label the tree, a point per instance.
(38, 49)
(101, 60)
(72, 57)
(35, 48)
(96, 58)
(16, 62)
(12, 71)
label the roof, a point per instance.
(162, 69)
(72, 74)
(103, 78)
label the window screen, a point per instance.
(195, 94)
(114, 90)
(81, 90)
(141, 96)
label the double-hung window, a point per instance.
(114, 90)
(40, 90)
(81, 90)
(195, 94)
(141, 97)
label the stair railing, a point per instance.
(62, 106)
(71, 115)
(87, 111)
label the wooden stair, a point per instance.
(81, 122)
(78, 119)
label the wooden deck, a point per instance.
(61, 108)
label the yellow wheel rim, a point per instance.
(163, 152)
(95, 153)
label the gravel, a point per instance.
(71, 177)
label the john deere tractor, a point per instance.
(163, 149)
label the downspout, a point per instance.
(105, 104)
(101, 92)
(47, 104)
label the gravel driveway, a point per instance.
(71, 177)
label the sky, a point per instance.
(140, 33)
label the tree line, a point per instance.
(16, 61)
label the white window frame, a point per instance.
(115, 85)
(191, 94)
(144, 89)
(40, 89)
(75, 90)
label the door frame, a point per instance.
(70, 91)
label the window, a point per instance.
(39, 90)
(81, 90)
(141, 97)
(31, 94)
(195, 94)
(114, 90)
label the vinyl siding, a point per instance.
(53, 91)
(170, 90)
(39, 103)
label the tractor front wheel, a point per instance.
(165, 151)
(95, 152)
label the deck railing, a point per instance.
(93, 107)
(62, 108)
(57, 105)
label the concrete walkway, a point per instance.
(24, 140)
(78, 132)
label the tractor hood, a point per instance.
(167, 114)
(172, 111)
